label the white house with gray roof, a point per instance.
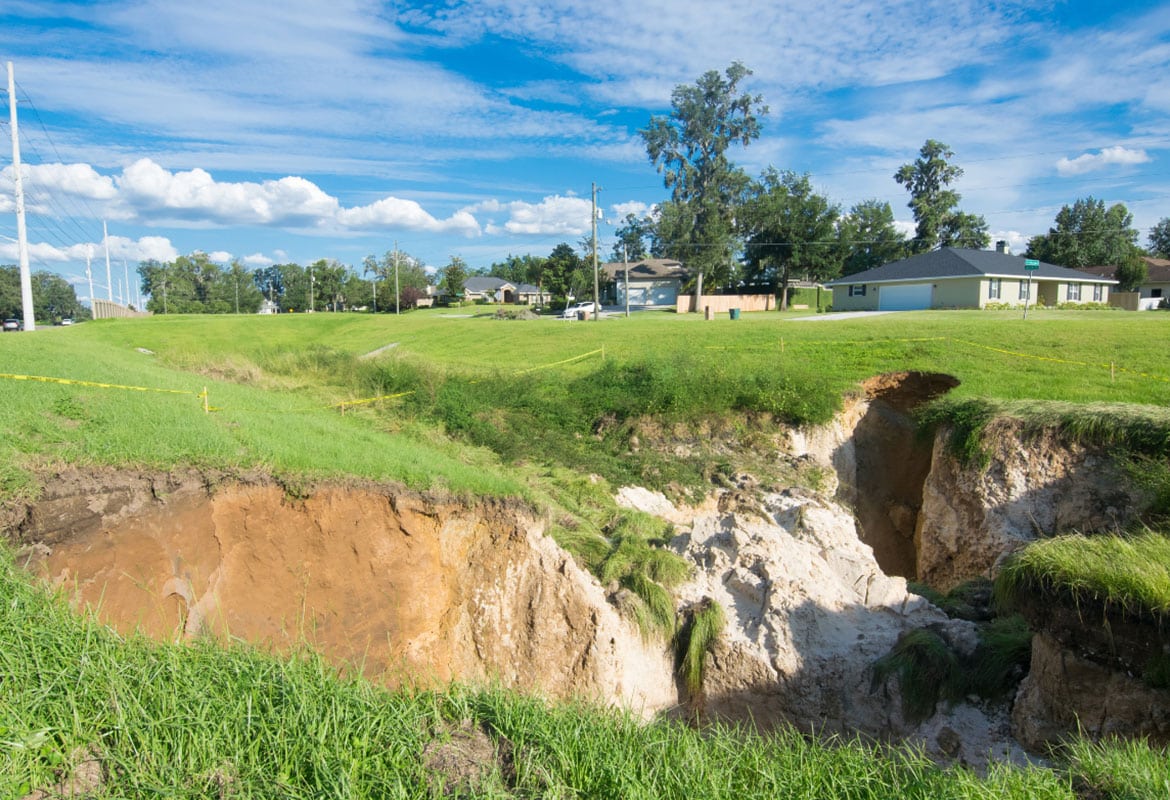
(958, 278)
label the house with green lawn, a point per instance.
(952, 277)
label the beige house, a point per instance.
(1153, 290)
(958, 278)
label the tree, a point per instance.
(689, 147)
(869, 238)
(1131, 272)
(632, 237)
(1088, 235)
(1160, 239)
(397, 270)
(454, 276)
(235, 291)
(789, 227)
(561, 270)
(270, 282)
(939, 222)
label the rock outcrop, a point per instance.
(972, 517)
(808, 612)
(1065, 695)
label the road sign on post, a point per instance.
(1030, 265)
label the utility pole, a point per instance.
(374, 287)
(312, 280)
(126, 277)
(397, 309)
(89, 275)
(109, 280)
(26, 298)
(626, 266)
(596, 282)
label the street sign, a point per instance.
(1031, 263)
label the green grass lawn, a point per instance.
(525, 389)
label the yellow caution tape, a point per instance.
(558, 363)
(345, 403)
(73, 382)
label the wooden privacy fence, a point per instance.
(722, 303)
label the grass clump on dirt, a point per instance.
(1128, 574)
(929, 668)
(138, 719)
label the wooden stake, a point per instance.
(206, 405)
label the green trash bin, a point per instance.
(735, 313)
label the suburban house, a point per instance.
(958, 278)
(1153, 291)
(651, 281)
(268, 307)
(498, 290)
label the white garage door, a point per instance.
(905, 297)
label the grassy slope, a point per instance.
(273, 378)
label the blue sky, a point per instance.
(300, 130)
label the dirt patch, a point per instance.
(892, 464)
(406, 588)
(906, 391)
(464, 759)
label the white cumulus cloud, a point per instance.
(554, 215)
(394, 212)
(634, 207)
(1088, 162)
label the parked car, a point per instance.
(67, 321)
(574, 311)
(11, 325)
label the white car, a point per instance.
(574, 311)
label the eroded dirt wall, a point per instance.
(411, 589)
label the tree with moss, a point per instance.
(935, 205)
(690, 148)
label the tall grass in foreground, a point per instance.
(202, 721)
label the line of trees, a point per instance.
(741, 232)
(193, 284)
(54, 298)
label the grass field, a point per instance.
(478, 406)
(274, 379)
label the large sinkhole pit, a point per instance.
(892, 464)
(404, 588)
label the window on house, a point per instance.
(993, 288)
(1023, 290)
(1098, 292)
(857, 290)
(1074, 292)
(1155, 292)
